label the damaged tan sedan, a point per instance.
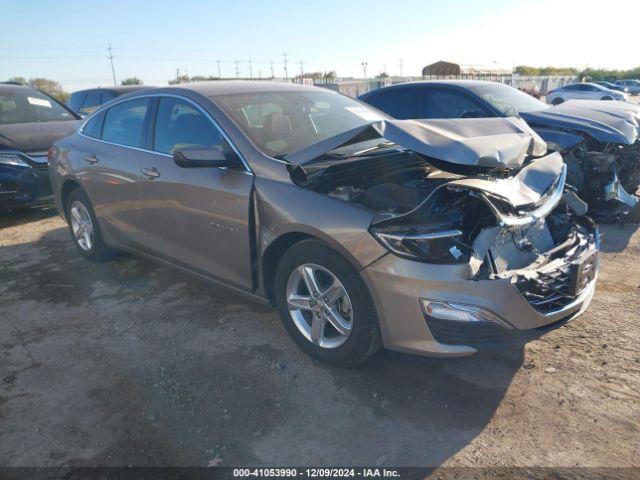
(431, 237)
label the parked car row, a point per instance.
(445, 220)
(83, 102)
(30, 121)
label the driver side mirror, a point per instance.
(198, 157)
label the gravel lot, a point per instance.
(131, 363)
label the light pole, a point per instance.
(364, 69)
(286, 72)
(113, 72)
(218, 62)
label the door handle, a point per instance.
(91, 159)
(150, 173)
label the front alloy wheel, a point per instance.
(319, 305)
(325, 305)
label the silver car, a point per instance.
(431, 237)
(583, 91)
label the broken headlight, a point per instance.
(12, 159)
(426, 245)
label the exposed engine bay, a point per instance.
(523, 224)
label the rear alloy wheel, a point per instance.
(84, 228)
(81, 225)
(557, 101)
(325, 305)
(606, 97)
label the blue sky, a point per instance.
(66, 40)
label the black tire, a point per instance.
(557, 101)
(606, 97)
(364, 339)
(99, 251)
(633, 216)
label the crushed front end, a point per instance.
(474, 269)
(487, 243)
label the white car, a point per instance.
(583, 91)
(632, 86)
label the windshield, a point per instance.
(508, 100)
(283, 122)
(23, 105)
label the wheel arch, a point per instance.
(68, 186)
(278, 247)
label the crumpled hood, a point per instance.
(469, 142)
(35, 135)
(606, 121)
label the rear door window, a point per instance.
(93, 128)
(124, 122)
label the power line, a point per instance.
(110, 57)
(286, 72)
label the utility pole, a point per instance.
(301, 69)
(286, 72)
(110, 57)
(364, 69)
(272, 74)
(250, 70)
(401, 63)
(237, 68)
(218, 62)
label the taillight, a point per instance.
(52, 152)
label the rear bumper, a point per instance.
(397, 286)
(23, 186)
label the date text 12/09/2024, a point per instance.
(316, 472)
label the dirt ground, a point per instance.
(131, 363)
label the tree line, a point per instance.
(585, 74)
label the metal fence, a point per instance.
(540, 84)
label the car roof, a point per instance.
(12, 87)
(121, 90)
(433, 83)
(226, 87)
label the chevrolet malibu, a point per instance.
(435, 237)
